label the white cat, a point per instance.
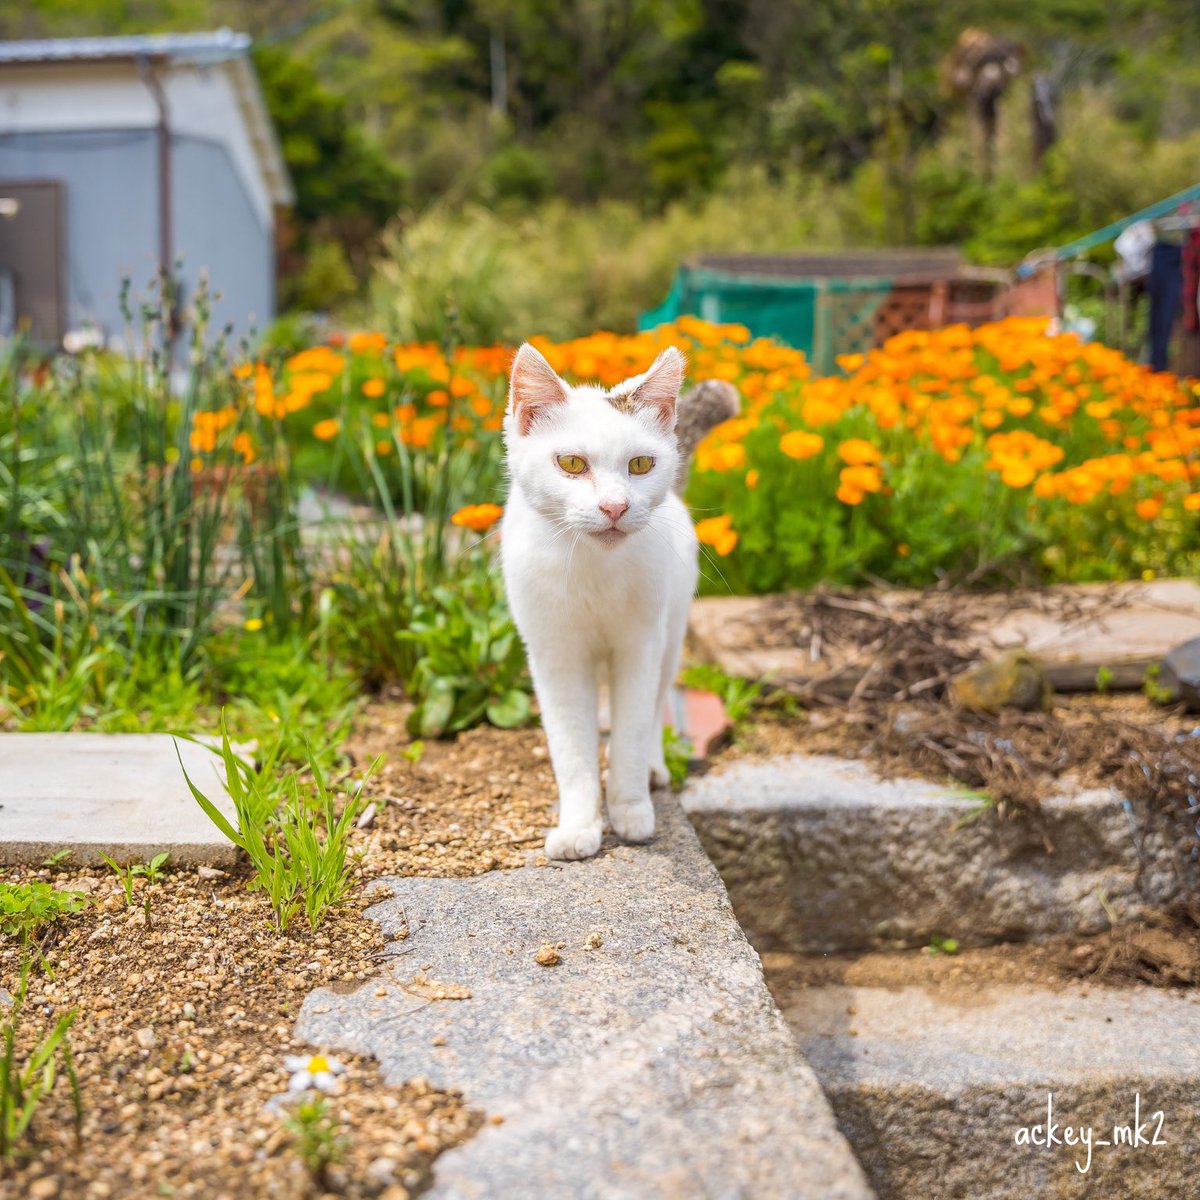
(600, 563)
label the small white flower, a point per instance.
(315, 1071)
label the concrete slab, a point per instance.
(932, 1088)
(820, 854)
(120, 794)
(650, 1062)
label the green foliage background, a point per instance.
(655, 122)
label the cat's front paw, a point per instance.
(579, 842)
(632, 820)
(660, 777)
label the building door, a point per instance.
(32, 260)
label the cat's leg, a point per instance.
(635, 724)
(566, 692)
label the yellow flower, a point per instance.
(477, 517)
(254, 624)
(800, 444)
(327, 429)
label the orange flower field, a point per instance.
(1000, 452)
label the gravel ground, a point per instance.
(184, 1021)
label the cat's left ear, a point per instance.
(658, 389)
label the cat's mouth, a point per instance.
(610, 536)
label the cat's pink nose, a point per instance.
(614, 510)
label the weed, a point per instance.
(25, 1084)
(739, 696)
(470, 662)
(25, 908)
(1104, 678)
(53, 861)
(317, 1137)
(294, 864)
(414, 751)
(1153, 690)
(941, 945)
(677, 752)
(151, 872)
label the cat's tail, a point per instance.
(709, 403)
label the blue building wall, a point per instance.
(110, 181)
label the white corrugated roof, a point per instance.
(205, 47)
(222, 47)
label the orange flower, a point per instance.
(477, 517)
(244, 446)
(374, 388)
(327, 429)
(862, 479)
(717, 532)
(752, 478)
(800, 444)
(855, 452)
(1148, 508)
(367, 343)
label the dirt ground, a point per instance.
(1161, 952)
(184, 1021)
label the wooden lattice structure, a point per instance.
(833, 304)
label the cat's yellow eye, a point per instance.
(572, 464)
(640, 465)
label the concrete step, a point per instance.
(820, 854)
(945, 1093)
(119, 794)
(649, 1062)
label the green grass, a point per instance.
(297, 842)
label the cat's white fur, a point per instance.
(599, 568)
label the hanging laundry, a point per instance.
(1191, 281)
(1163, 289)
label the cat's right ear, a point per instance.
(533, 388)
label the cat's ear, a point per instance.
(658, 389)
(533, 387)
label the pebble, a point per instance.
(547, 956)
(43, 1189)
(146, 1038)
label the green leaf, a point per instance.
(510, 710)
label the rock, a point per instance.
(640, 1071)
(146, 1038)
(43, 1189)
(820, 854)
(929, 1068)
(1016, 680)
(548, 956)
(382, 1171)
(1179, 675)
